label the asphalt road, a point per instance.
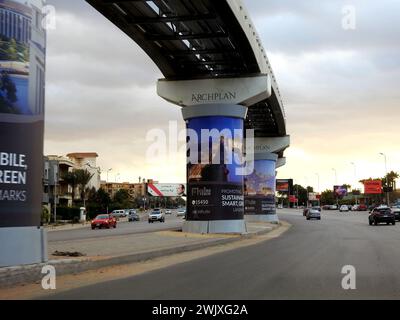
(123, 228)
(304, 263)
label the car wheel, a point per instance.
(375, 222)
(93, 228)
(115, 225)
(387, 223)
(394, 222)
(370, 222)
(149, 221)
(308, 218)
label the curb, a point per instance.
(20, 275)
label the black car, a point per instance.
(381, 214)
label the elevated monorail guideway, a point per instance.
(217, 70)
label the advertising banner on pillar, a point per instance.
(260, 189)
(215, 189)
(22, 70)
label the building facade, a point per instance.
(135, 190)
(56, 191)
(87, 161)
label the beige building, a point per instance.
(134, 189)
(87, 161)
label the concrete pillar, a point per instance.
(215, 199)
(260, 189)
(22, 240)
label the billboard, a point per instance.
(312, 196)
(167, 190)
(340, 191)
(259, 188)
(22, 82)
(214, 189)
(284, 185)
(373, 187)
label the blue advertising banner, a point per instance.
(260, 189)
(215, 189)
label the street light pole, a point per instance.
(387, 179)
(319, 200)
(108, 172)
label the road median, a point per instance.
(123, 250)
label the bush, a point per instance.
(45, 218)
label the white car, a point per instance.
(181, 212)
(119, 213)
(344, 208)
(156, 215)
(168, 211)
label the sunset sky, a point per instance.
(340, 90)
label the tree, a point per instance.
(327, 197)
(122, 199)
(71, 179)
(391, 179)
(83, 178)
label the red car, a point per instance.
(104, 221)
(362, 207)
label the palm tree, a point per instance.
(83, 178)
(391, 178)
(71, 179)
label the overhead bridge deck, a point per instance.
(201, 39)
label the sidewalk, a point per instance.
(124, 249)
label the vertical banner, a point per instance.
(260, 189)
(215, 190)
(22, 83)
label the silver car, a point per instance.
(156, 215)
(313, 213)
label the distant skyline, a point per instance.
(339, 87)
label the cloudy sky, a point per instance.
(340, 89)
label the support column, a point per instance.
(260, 189)
(215, 198)
(22, 240)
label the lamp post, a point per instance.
(319, 201)
(387, 178)
(108, 172)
